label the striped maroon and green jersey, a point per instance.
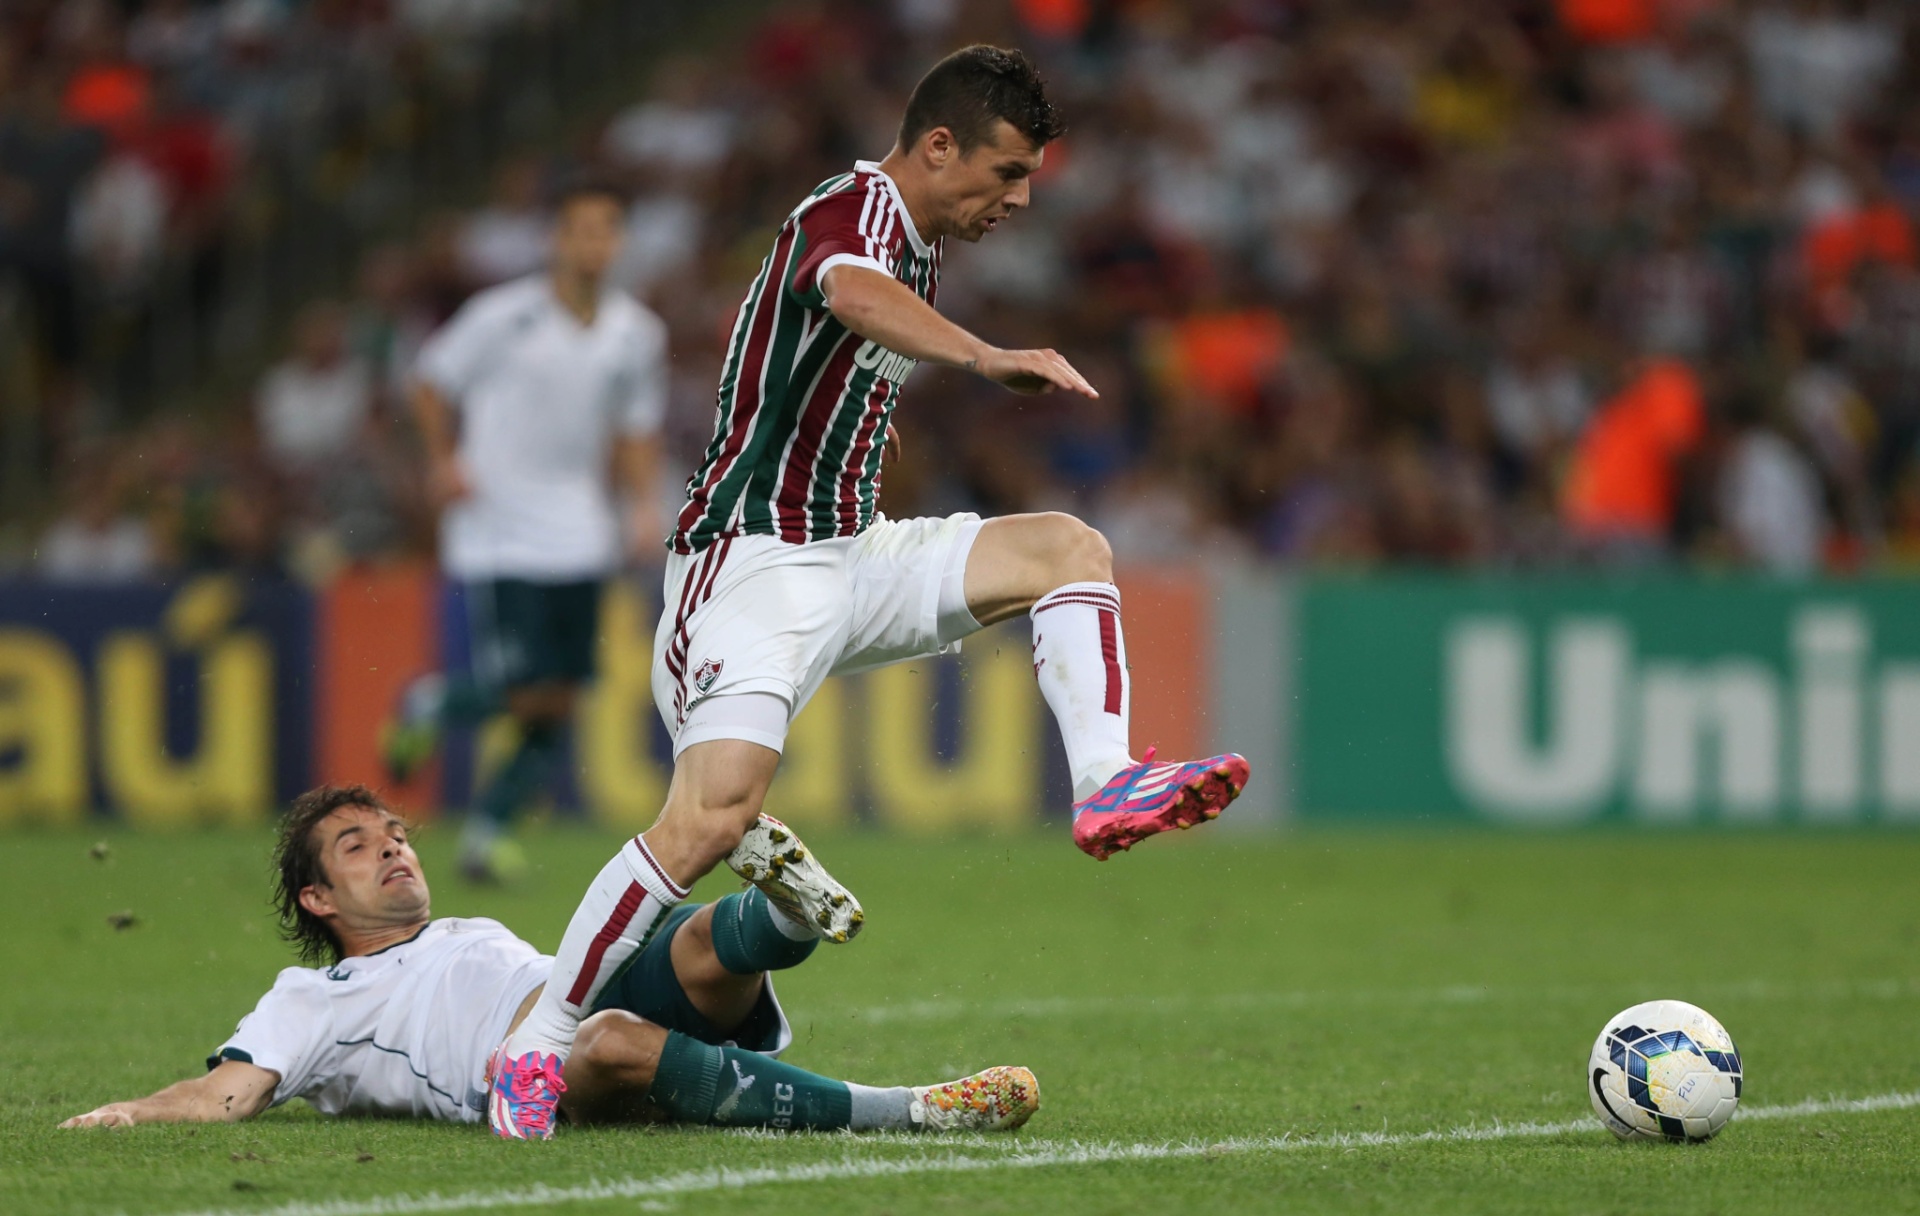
(802, 414)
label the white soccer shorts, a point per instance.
(753, 614)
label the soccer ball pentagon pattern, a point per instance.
(1664, 1070)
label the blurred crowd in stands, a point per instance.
(1519, 283)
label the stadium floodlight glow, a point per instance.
(1664, 1070)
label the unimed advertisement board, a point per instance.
(1564, 701)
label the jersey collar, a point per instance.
(394, 946)
(913, 230)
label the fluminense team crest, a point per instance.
(707, 672)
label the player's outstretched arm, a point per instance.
(880, 307)
(233, 1091)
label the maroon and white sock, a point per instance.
(1080, 659)
(622, 910)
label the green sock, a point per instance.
(522, 775)
(696, 1083)
(747, 941)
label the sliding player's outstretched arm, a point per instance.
(880, 307)
(233, 1091)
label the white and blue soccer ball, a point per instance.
(1664, 1070)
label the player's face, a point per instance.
(373, 878)
(982, 187)
(587, 236)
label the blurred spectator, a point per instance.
(509, 237)
(1395, 281)
(678, 132)
(1818, 63)
(1536, 397)
(1622, 488)
(313, 406)
(97, 539)
(43, 164)
(1770, 500)
(119, 223)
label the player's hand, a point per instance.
(115, 1114)
(1032, 371)
(447, 482)
(893, 444)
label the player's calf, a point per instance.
(715, 798)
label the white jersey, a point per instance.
(540, 399)
(403, 1031)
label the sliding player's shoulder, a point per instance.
(298, 993)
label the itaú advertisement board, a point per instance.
(182, 703)
(214, 699)
(1573, 700)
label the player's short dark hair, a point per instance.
(976, 86)
(588, 185)
(297, 865)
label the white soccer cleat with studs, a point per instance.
(772, 858)
(997, 1100)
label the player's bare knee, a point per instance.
(616, 1048)
(695, 934)
(1077, 553)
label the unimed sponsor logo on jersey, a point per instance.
(884, 363)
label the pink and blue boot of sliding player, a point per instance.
(523, 1094)
(1146, 799)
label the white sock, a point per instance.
(1080, 659)
(881, 1110)
(788, 926)
(623, 908)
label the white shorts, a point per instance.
(754, 614)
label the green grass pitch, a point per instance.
(1222, 1022)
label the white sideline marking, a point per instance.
(1454, 994)
(1013, 1154)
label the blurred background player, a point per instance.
(531, 402)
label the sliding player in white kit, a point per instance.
(531, 401)
(783, 573)
(404, 1017)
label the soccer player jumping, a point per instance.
(782, 573)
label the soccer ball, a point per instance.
(1664, 1070)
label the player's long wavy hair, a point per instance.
(297, 865)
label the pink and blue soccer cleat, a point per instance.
(1146, 799)
(524, 1094)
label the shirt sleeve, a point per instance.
(289, 1032)
(846, 229)
(453, 358)
(641, 407)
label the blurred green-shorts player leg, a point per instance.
(533, 649)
